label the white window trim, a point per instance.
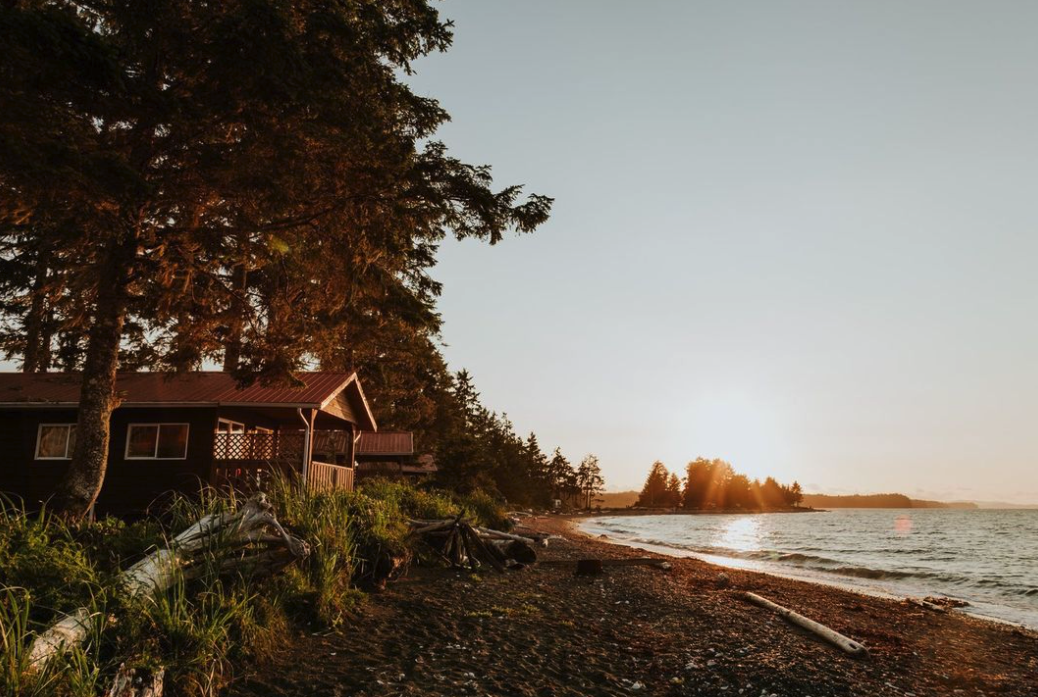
(130, 427)
(229, 422)
(39, 440)
(263, 430)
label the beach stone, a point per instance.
(724, 580)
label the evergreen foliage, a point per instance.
(246, 182)
(654, 492)
(714, 484)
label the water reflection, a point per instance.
(742, 534)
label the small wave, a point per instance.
(811, 562)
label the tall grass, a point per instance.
(199, 628)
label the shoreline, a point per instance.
(638, 630)
(791, 575)
(681, 511)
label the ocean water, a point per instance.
(988, 558)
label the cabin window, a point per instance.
(157, 442)
(55, 441)
(228, 426)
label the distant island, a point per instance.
(878, 501)
(626, 499)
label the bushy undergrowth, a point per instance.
(415, 502)
(198, 629)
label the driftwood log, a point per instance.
(462, 545)
(846, 644)
(925, 604)
(661, 564)
(247, 540)
(589, 567)
(129, 682)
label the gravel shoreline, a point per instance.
(640, 630)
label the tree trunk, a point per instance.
(97, 399)
(37, 337)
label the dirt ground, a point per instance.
(639, 630)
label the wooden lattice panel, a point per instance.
(258, 447)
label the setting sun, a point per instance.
(737, 427)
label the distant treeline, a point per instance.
(714, 484)
(877, 501)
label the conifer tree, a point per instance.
(654, 492)
(673, 490)
(589, 480)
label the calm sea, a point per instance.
(988, 558)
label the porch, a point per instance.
(246, 460)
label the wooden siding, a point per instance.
(130, 485)
(340, 406)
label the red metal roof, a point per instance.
(172, 388)
(386, 443)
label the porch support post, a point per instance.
(353, 446)
(308, 441)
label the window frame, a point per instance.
(230, 424)
(39, 440)
(158, 432)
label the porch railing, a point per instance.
(325, 476)
(247, 460)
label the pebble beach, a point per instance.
(639, 630)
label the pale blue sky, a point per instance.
(796, 235)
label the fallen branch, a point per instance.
(847, 644)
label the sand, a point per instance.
(639, 631)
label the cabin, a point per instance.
(391, 454)
(175, 432)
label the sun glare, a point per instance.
(741, 535)
(737, 428)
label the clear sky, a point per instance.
(799, 236)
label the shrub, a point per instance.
(416, 502)
(485, 510)
(38, 553)
(410, 500)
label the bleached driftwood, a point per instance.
(498, 535)
(69, 631)
(846, 644)
(136, 683)
(925, 604)
(249, 539)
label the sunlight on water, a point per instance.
(986, 557)
(742, 534)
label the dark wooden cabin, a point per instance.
(176, 432)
